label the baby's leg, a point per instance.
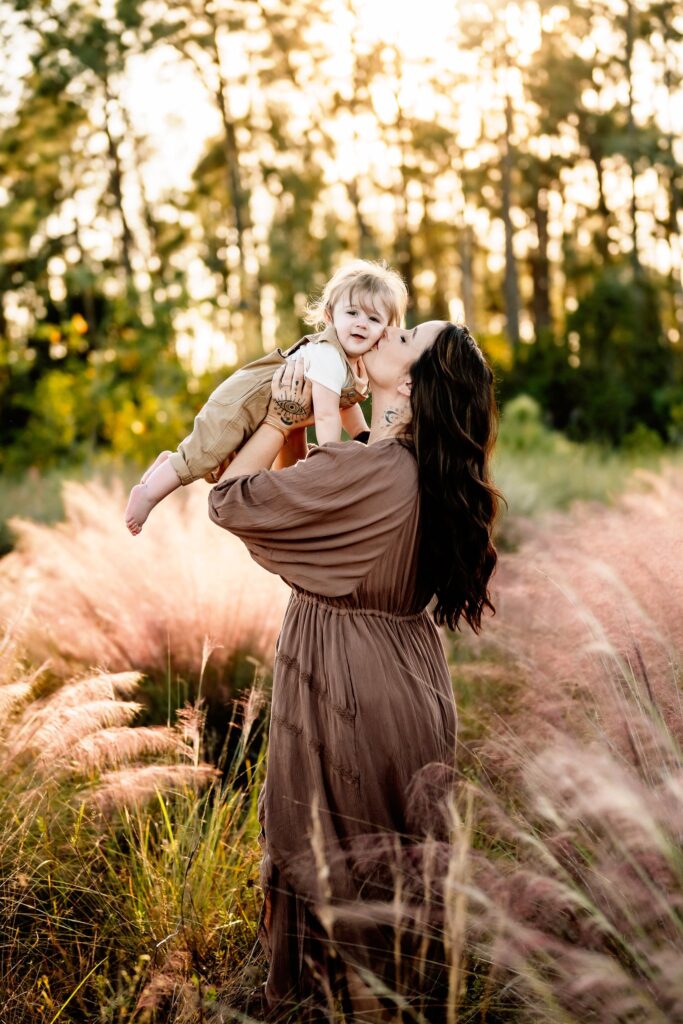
(161, 481)
(161, 457)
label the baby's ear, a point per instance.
(327, 315)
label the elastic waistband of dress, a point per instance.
(336, 609)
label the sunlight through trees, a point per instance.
(178, 177)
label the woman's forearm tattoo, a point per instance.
(290, 411)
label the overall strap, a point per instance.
(353, 381)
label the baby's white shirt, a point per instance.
(322, 364)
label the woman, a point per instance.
(366, 537)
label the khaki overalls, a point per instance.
(238, 405)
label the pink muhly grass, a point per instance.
(49, 728)
(249, 707)
(134, 786)
(588, 619)
(82, 732)
(120, 745)
(12, 694)
(589, 902)
(111, 853)
(580, 790)
(569, 909)
(17, 682)
(91, 594)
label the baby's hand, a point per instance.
(162, 457)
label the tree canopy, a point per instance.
(522, 166)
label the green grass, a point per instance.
(147, 906)
(535, 482)
(539, 470)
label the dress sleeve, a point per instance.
(322, 523)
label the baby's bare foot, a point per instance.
(138, 508)
(162, 457)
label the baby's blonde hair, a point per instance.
(366, 279)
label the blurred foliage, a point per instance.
(540, 470)
(623, 380)
(73, 394)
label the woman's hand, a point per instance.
(289, 409)
(291, 404)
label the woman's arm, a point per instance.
(258, 453)
(321, 525)
(290, 407)
(294, 449)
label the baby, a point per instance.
(356, 305)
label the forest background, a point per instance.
(176, 178)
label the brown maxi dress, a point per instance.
(362, 697)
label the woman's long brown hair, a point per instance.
(455, 420)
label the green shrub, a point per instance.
(612, 369)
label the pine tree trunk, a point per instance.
(163, 274)
(631, 137)
(601, 239)
(404, 252)
(466, 253)
(404, 240)
(239, 201)
(240, 208)
(116, 185)
(366, 246)
(674, 238)
(435, 244)
(540, 265)
(510, 287)
(88, 295)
